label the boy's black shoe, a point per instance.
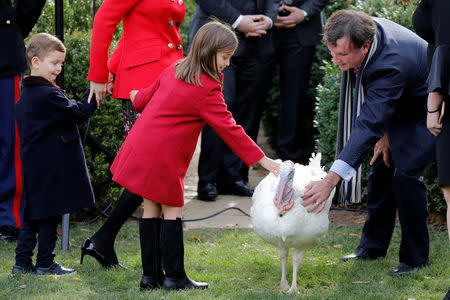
(16, 269)
(54, 269)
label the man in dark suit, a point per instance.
(387, 66)
(16, 23)
(245, 88)
(296, 34)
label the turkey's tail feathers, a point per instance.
(315, 159)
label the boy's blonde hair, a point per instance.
(211, 38)
(41, 44)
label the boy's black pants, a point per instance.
(44, 230)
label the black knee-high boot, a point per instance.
(172, 250)
(101, 244)
(150, 235)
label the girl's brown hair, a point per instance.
(211, 38)
(41, 44)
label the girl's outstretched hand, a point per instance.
(133, 94)
(270, 165)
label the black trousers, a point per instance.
(295, 122)
(390, 190)
(246, 84)
(32, 231)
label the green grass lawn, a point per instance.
(238, 265)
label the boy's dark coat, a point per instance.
(55, 175)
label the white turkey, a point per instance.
(280, 219)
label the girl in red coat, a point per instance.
(154, 158)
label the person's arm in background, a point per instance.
(266, 22)
(297, 15)
(224, 11)
(439, 78)
(28, 12)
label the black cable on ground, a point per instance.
(215, 214)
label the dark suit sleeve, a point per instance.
(313, 7)
(439, 77)
(28, 12)
(271, 9)
(221, 9)
(383, 89)
(70, 110)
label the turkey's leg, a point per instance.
(297, 257)
(283, 254)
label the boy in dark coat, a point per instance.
(55, 175)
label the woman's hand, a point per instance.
(110, 83)
(270, 165)
(433, 124)
(99, 90)
(133, 94)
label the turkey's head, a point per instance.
(285, 194)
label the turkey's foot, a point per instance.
(293, 290)
(284, 286)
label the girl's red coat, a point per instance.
(154, 158)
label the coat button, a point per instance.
(179, 47)
(170, 45)
(172, 0)
(180, 2)
(177, 24)
(170, 23)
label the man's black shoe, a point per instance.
(206, 191)
(22, 270)
(361, 253)
(238, 188)
(54, 269)
(404, 269)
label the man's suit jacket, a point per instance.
(395, 89)
(228, 11)
(15, 25)
(309, 31)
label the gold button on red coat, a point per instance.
(179, 47)
(170, 23)
(170, 45)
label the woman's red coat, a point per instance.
(150, 42)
